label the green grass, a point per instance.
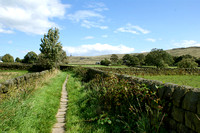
(35, 112)
(122, 66)
(77, 112)
(9, 74)
(188, 80)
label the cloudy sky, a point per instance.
(97, 27)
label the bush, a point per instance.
(187, 63)
(105, 62)
(7, 58)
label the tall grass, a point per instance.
(77, 113)
(33, 112)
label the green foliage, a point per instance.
(30, 57)
(141, 58)
(179, 58)
(105, 62)
(15, 66)
(187, 63)
(51, 49)
(18, 60)
(159, 58)
(7, 58)
(130, 60)
(32, 112)
(114, 58)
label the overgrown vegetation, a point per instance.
(33, 111)
(116, 105)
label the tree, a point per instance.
(105, 62)
(141, 58)
(187, 63)
(179, 58)
(7, 58)
(114, 58)
(30, 57)
(18, 59)
(130, 60)
(64, 58)
(159, 58)
(51, 49)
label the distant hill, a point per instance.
(194, 51)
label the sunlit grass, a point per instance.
(188, 80)
(76, 123)
(35, 112)
(9, 74)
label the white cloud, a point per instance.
(30, 16)
(97, 49)
(151, 39)
(90, 24)
(90, 18)
(97, 6)
(134, 29)
(84, 14)
(187, 43)
(104, 36)
(88, 37)
(10, 42)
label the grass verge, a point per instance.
(188, 80)
(76, 117)
(35, 112)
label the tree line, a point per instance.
(157, 57)
(52, 54)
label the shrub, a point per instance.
(7, 58)
(187, 63)
(105, 62)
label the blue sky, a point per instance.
(98, 27)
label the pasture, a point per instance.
(9, 74)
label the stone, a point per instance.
(59, 125)
(178, 114)
(192, 121)
(183, 129)
(169, 90)
(179, 93)
(58, 130)
(198, 108)
(191, 99)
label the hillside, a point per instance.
(194, 51)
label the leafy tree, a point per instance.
(187, 63)
(198, 61)
(64, 58)
(179, 58)
(130, 60)
(159, 58)
(51, 49)
(30, 57)
(141, 58)
(7, 58)
(126, 59)
(18, 59)
(105, 62)
(114, 58)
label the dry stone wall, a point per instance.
(22, 83)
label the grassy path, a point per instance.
(76, 119)
(33, 113)
(59, 126)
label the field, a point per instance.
(188, 80)
(9, 74)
